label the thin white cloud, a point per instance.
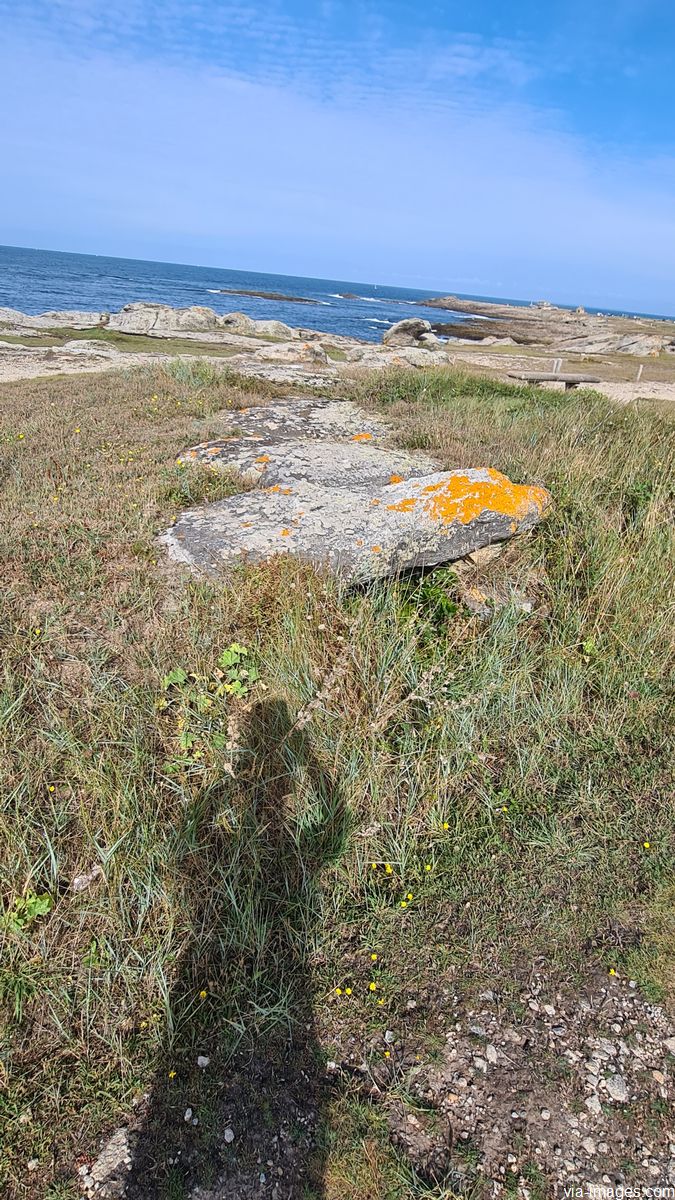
(195, 165)
(418, 164)
(338, 46)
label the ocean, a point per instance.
(35, 281)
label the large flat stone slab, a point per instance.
(360, 533)
(303, 417)
(352, 463)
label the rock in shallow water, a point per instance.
(360, 532)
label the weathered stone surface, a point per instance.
(417, 355)
(407, 333)
(286, 461)
(643, 345)
(107, 1177)
(298, 416)
(274, 329)
(360, 533)
(293, 352)
(51, 320)
(238, 322)
(161, 320)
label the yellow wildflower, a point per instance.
(338, 991)
(348, 991)
(612, 971)
(172, 1074)
(388, 868)
(427, 866)
(373, 958)
(409, 896)
(372, 987)
(202, 994)
(647, 845)
(446, 825)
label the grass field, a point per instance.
(127, 342)
(379, 773)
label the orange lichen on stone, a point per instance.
(463, 498)
(362, 437)
(359, 541)
(396, 479)
(376, 502)
(286, 491)
(275, 488)
(263, 458)
(247, 524)
(285, 533)
(376, 549)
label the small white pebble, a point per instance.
(228, 1135)
(203, 1060)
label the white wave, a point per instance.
(214, 291)
(376, 321)
(335, 295)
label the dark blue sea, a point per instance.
(35, 281)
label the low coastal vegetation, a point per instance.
(127, 342)
(234, 807)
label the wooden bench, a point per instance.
(569, 381)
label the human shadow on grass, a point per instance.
(243, 996)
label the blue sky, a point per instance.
(523, 149)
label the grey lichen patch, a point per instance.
(278, 461)
(300, 417)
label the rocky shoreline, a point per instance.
(632, 358)
(562, 329)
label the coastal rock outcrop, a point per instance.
(411, 332)
(359, 532)
(331, 492)
(67, 319)
(238, 322)
(294, 352)
(160, 320)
